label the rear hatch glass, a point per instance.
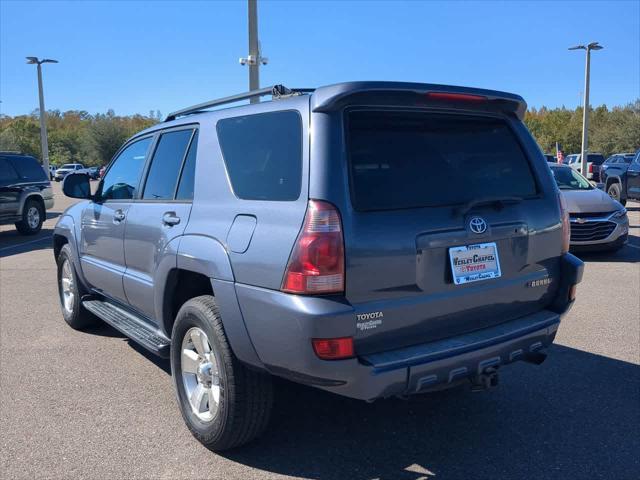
(411, 159)
(418, 181)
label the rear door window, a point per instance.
(263, 155)
(29, 169)
(165, 165)
(401, 159)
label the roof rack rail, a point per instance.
(276, 91)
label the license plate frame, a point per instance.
(462, 259)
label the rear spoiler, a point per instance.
(335, 97)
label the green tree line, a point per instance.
(77, 136)
(614, 130)
(74, 136)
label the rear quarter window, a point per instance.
(263, 155)
(402, 159)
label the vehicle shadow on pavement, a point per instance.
(12, 243)
(630, 253)
(576, 416)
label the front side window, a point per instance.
(263, 155)
(122, 179)
(165, 165)
(404, 159)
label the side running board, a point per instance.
(131, 325)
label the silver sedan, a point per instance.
(597, 221)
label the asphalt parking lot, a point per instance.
(93, 405)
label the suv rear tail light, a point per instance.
(566, 226)
(591, 168)
(333, 348)
(316, 264)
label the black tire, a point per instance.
(31, 207)
(77, 317)
(615, 192)
(246, 396)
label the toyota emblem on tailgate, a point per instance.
(477, 225)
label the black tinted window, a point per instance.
(29, 169)
(416, 159)
(121, 181)
(7, 172)
(166, 163)
(185, 188)
(263, 155)
(595, 159)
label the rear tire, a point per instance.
(70, 292)
(615, 192)
(33, 215)
(223, 403)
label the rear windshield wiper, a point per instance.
(496, 201)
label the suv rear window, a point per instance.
(417, 159)
(595, 159)
(263, 155)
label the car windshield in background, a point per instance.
(596, 159)
(569, 179)
(68, 166)
(401, 159)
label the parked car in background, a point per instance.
(66, 169)
(594, 161)
(550, 158)
(52, 171)
(412, 240)
(618, 159)
(25, 193)
(93, 172)
(621, 178)
(597, 221)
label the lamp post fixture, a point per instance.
(585, 108)
(43, 113)
(254, 60)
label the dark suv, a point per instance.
(621, 178)
(371, 239)
(25, 192)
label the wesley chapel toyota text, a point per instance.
(371, 239)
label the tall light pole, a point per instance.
(254, 60)
(43, 113)
(585, 108)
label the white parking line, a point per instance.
(26, 243)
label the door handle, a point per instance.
(118, 216)
(170, 219)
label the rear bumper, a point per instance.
(281, 327)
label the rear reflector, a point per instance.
(456, 97)
(333, 348)
(316, 264)
(572, 293)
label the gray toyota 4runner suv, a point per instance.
(371, 239)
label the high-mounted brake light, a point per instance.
(456, 97)
(333, 348)
(566, 226)
(316, 264)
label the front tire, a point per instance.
(70, 293)
(615, 192)
(33, 215)
(223, 403)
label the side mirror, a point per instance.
(77, 185)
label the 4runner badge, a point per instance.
(368, 321)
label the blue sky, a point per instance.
(140, 56)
